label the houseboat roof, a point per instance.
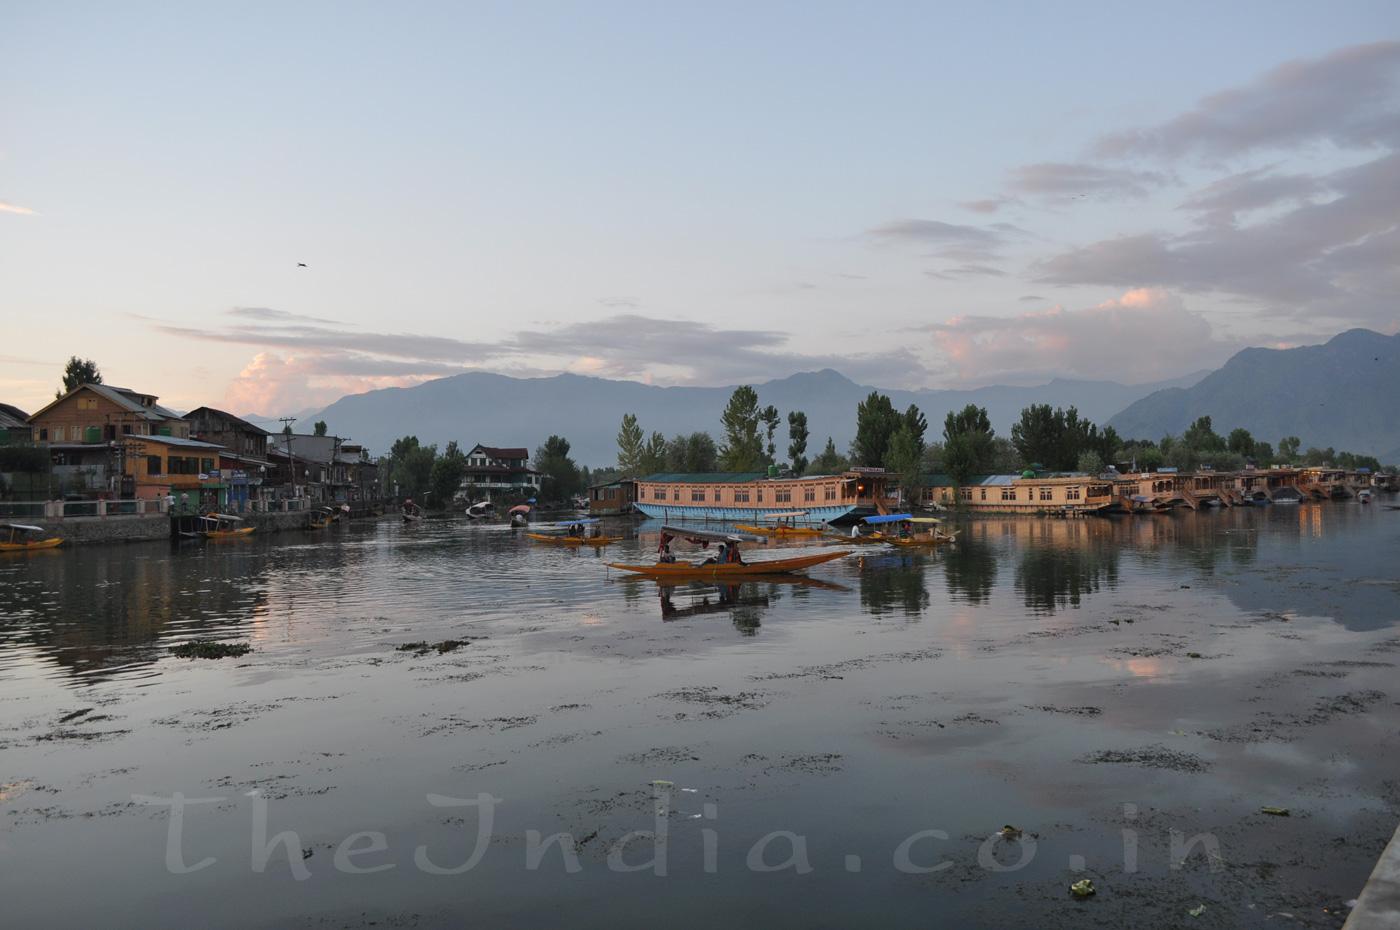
(179, 441)
(705, 477)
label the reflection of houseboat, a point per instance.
(1024, 493)
(756, 495)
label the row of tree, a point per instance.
(419, 471)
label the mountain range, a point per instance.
(1344, 393)
(503, 411)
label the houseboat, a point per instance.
(1030, 493)
(757, 496)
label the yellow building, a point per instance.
(161, 465)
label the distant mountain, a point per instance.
(1344, 394)
(499, 410)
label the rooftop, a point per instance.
(237, 421)
(13, 417)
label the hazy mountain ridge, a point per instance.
(501, 410)
(1344, 393)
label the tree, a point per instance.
(770, 418)
(78, 371)
(1036, 435)
(1202, 437)
(971, 431)
(654, 455)
(905, 458)
(960, 458)
(560, 474)
(411, 466)
(693, 453)
(446, 476)
(876, 421)
(320, 428)
(830, 462)
(629, 447)
(797, 441)
(917, 424)
(1090, 462)
(1288, 448)
(1240, 442)
(743, 446)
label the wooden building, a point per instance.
(748, 495)
(95, 413)
(499, 471)
(614, 497)
(1027, 493)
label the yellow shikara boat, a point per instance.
(574, 540)
(689, 570)
(21, 537)
(223, 526)
(933, 536)
(786, 526)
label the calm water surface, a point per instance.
(1075, 679)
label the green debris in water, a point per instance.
(424, 647)
(208, 649)
(1197, 911)
(1083, 888)
(1276, 811)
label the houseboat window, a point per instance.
(1072, 494)
(697, 495)
(1008, 494)
(1046, 494)
(659, 494)
(782, 495)
(760, 495)
(965, 493)
(984, 494)
(741, 497)
(152, 464)
(809, 494)
(829, 493)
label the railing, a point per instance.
(68, 510)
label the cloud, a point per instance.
(1336, 258)
(1222, 201)
(1027, 298)
(988, 205)
(1067, 181)
(267, 314)
(320, 363)
(967, 271)
(623, 303)
(934, 231)
(16, 208)
(1347, 98)
(1119, 339)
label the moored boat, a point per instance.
(21, 537)
(728, 570)
(573, 533)
(223, 526)
(785, 525)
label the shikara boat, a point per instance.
(722, 567)
(320, 518)
(711, 570)
(223, 526)
(21, 537)
(785, 525)
(572, 533)
(926, 532)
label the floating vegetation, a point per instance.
(209, 649)
(423, 648)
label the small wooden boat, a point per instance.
(21, 537)
(223, 526)
(710, 570)
(320, 518)
(873, 539)
(785, 526)
(932, 536)
(411, 512)
(572, 533)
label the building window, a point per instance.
(1072, 494)
(697, 496)
(1008, 494)
(659, 494)
(984, 494)
(829, 494)
(1046, 494)
(809, 494)
(966, 493)
(153, 465)
(741, 497)
(782, 496)
(43, 435)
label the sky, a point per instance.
(918, 195)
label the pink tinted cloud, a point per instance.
(1146, 334)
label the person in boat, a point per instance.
(732, 556)
(904, 529)
(664, 555)
(597, 532)
(855, 531)
(719, 557)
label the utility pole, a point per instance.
(287, 431)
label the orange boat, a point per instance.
(223, 526)
(574, 540)
(785, 525)
(24, 538)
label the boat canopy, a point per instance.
(581, 521)
(520, 508)
(889, 518)
(216, 517)
(710, 535)
(924, 520)
(25, 527)
(785, 514)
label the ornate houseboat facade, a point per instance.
(1025, 493)
(751, 495)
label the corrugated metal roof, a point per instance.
(709, 477)
(13, 417)
(176, 441)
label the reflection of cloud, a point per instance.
(1347, 97)
(16, 208)
(1097, 342)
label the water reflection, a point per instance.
(970, 570)
(894, 581)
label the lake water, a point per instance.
(831, 753)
